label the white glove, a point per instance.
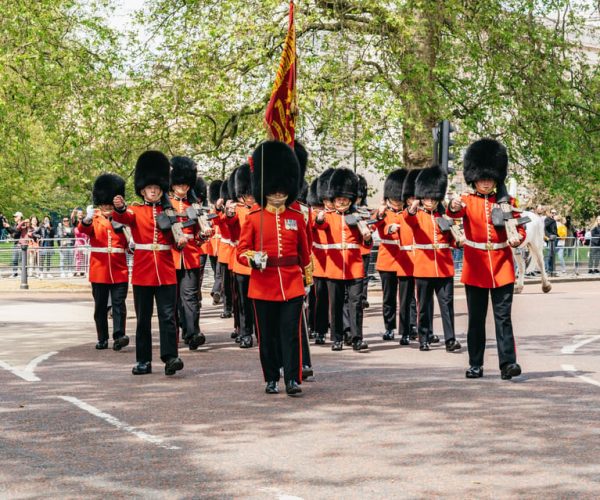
(306, 290)
(393, 228)
(89, 214)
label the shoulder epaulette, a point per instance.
(136, 204)
(296, 210)
(254, 210)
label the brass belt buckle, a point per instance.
(154, 246)
(436, 246)
(344, 246)
(489, 245)
(110, 250)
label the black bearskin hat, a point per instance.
(224, 191)
(152, 167)
(344, 182)
(281, 171)
(302, 156)
(323, 191)
(303, 194)
(231, 184)
(408, 186)
(200, 189)
(184, 171)
(243, 180)
(363, 190)
(485, 159)
(106, 187)
(312, 199)
(431, 182)
(214, 191)
(392, 188)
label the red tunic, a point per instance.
(151, 266)
(433, 252)
(489, 267)
(344, 259)
(108, 258)
(225, 246)
(320, 239)
(242, 212)
(189, 257)
(284, 235)
(388, 254)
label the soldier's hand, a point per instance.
(413, 206)
(381, 210)
(393, 228)
(321, 216)
(455, 204)
(219, 203)
(182, 242)
(514, 242)
(119, 202)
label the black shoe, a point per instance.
(216, 298)
(347, 338)
(510, 370)
(173, 365)
(311, 335)
(360, 345)
(336, 346)
(433, 339)
(424, 347)
(453, 345)
(292, 388)
(272, 388)
(196, 341)
(102, 344)
(474, 372)
(121, 342)
(142, 368)
(413, 332)
(246, 342)
(307, 372)
(365, 304)
(226, 315)
(388, 335)
(320, 339)
(186, 341)
(404, 340)
(233, 334)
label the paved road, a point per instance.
(393, 422)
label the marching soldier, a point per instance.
(274, 243)
(187, 259)
(224, 252)
(394, 262)
(108, 273)
(361, 202)
(214, 190)
(488, 266)
(346, 273)
(154, 277)
(433, 262)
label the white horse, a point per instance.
(534, 241)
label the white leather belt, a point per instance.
(336, 246)
(152, 246)
(433, 246)
(107, 250)
(486, 246)
(396, 243)
(227, 241)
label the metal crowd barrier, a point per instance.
(69, 259)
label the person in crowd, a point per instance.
(45, 235)
(550, 235)
(33, 249)
(66, 241)
(81, 241)
(594, 260)
(18, 232)
(561, 230)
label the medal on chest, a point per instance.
(291, 224)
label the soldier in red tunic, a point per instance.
(433, 262)
(214, 189)
(488, 267)
(345, 268)
(273, 242)
(225, 249)
(153, 277)
(187, 260)
(108, 274)
(394, 261)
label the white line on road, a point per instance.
(27, 373)
(158, 441)
(570, 349)
(573, 371)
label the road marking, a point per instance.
(573, 371)
(27, 373)
(158, 441)
(570, 349)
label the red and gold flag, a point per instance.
(281, 110)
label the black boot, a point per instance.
(453, 345)
(388, 335)
(173, 365)
(320, 339)
(246, 342)
(102, 344)
(359, 345)
(292, 388)
(196, 341)
(121, 342)
(405, 340)
(474, 372)
(142, 368)
(510, 370)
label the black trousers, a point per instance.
(408, 302)
(203, 259)
(312, 299)
(366, 261)
(216, 268)
(444, 291)
(278, 325)
(246, 309)
(306, 359)
(477, 305)
(117, 293)
(321, 309)
(188, 303)
(227, 292)
(337, 290)
(166, 303)
(389, 286)
(235, 301)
